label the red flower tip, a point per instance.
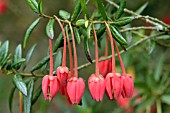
(123, 102)
(128, 86)
(75, 89)
(62, 74)
(50, 87)
(114, 85)
(105, 67)
(96, 87)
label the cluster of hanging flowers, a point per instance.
(104, 80)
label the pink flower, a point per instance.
(75, 89)
(128, 86)
(105, 67)
(50, 87)
(114, 85)
(62, 74)
(3, 6)
(96, 86)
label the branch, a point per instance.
(148, 19)
(130, 47)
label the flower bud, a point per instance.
(105, 67)
(62, 74)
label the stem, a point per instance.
(20, 102)
(120, 59)
(75, 53)
(64, 35)
(112, 45)
(106, 46)
(51, 56)
(158, 106)
(70, 53)
(96, 52)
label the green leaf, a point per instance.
(77, 35)
(29, 31)
(33, 5)
(58, 42)
(87, 50)
(84, 8)
(166, 98)
(58, 60)
(29, 54)
(77, 11)
(11, 99)
(36, 95)
(17, 57)
(117, 36)
(4, 51)
(123, 21)
(19, 83)
(142, 8)
(28, 98)
(100, 31)
(18, 63)
(41, 63)
(159, 68)
(80, 22)
(50, 29)
(89, 30)
(102, 9)
(64, 14)
(150, 46)
(120, 10)
(40, 7)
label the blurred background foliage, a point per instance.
(148, 63)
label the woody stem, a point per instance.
(120, 59)
(112, 45)
(106, 46)
(75, 53)
(51, 56)
(70, 52)
(64, 35)
(96, 51)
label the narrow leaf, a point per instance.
(77, 35)
(41, 63)
(36, 95)
(120, 10)
(142, 8)
(29, 31)
(17, 57)
(64, 14)
(4, 51)
(89, 30)
(40, 7)
(19, 83)
(58, 60)
(29, 54)
(11, 99)
(102, 9)
(18, 62)
(50, 29)
(77, 11)
(159, 68)
(58, 42)
(84, 8)
(33, 5)
(87, 50)
(28, 98)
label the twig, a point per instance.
(148, 19)
(139, 28)
(130, 47)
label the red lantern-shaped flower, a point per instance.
(97, 87)
(114, 85)
(105, 67)
(75, 89)
(50, 86)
